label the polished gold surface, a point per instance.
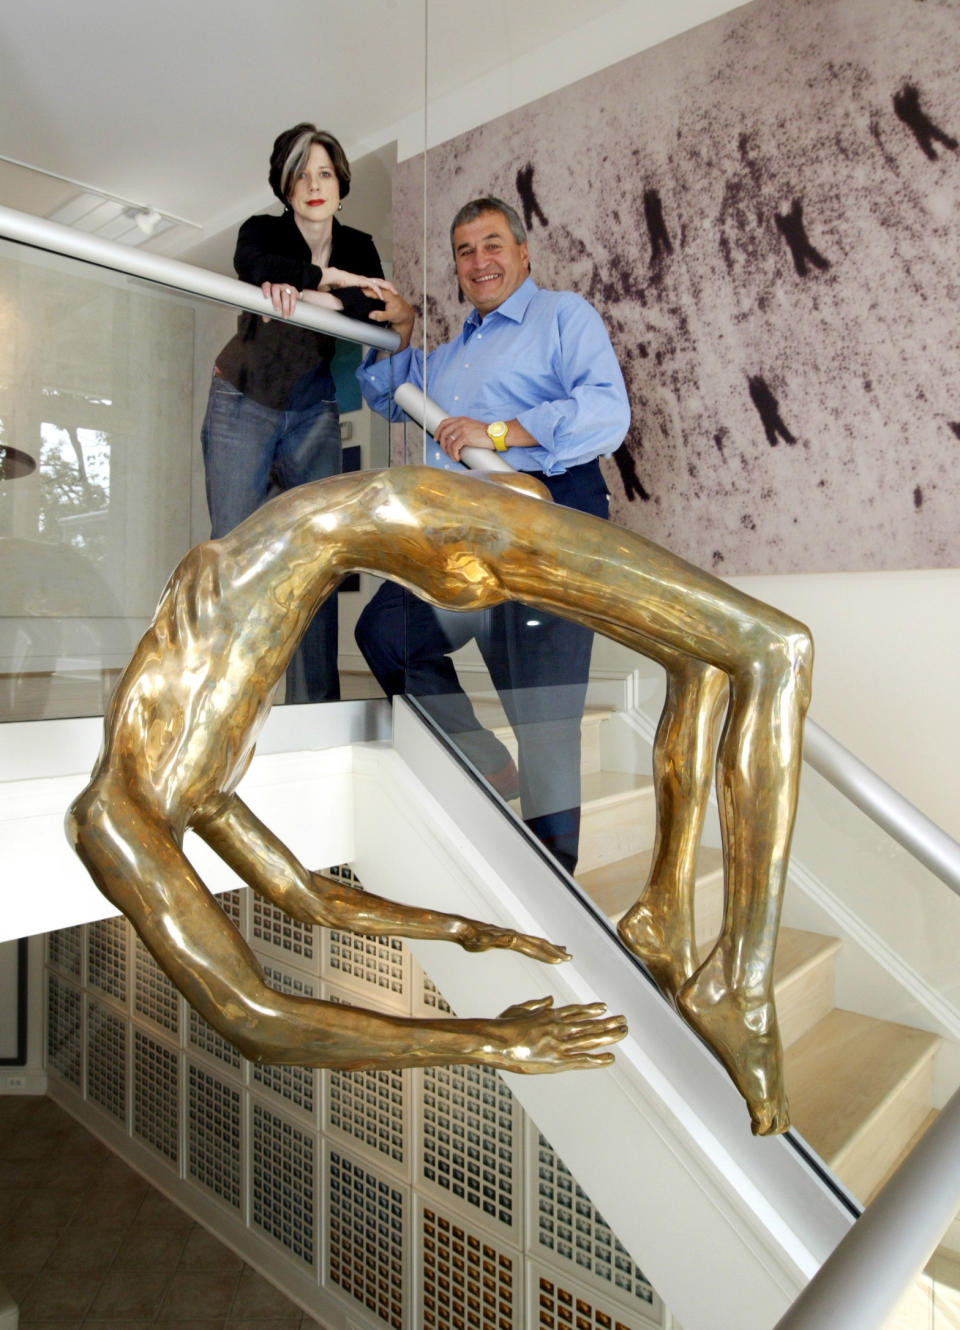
(182, 725)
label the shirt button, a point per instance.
(456, 397)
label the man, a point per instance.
(532, 374)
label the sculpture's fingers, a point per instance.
(579, 1011)
(584, 1061)
(526, 1008)
(592, 1036)
(539, 949)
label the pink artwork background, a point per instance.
(795, 383)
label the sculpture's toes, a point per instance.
(744, 1034)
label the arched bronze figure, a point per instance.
(184, 719)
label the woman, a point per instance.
(272, 421)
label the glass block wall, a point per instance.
(396, 1199)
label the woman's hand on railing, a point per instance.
(284, 299)
(282, 296)
(334, 277)
(325, 299)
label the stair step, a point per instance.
(930, 1118)
(614, 886)
(492, 717)
(804, 974)
(859, 1088)
(803, 981)
(617, 817)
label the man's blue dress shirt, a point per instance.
(542, 358)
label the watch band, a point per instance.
(497, 433)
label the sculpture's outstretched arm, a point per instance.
(217, 972)
(262, 860)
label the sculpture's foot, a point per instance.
(742, 1030)
(669, 953)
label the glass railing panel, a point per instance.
(866, 969)
(104, 380)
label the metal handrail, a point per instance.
(874, 1264)
(42, 234)
(898, 817)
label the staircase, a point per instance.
(860, 1089)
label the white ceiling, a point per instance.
(175, 105)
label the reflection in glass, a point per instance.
(103, 383)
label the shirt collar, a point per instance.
(514, 307)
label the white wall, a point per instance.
(885, 673)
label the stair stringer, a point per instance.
(661, 1141)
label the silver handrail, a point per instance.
(874, 1264)
(185, 277)
(901, 819)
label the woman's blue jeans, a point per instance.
(251, 452)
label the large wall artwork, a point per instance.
(766, 211)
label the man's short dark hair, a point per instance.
(477, 207)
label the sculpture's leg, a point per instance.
(729, 1000)
(660, 927)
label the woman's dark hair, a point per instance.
(290, 152)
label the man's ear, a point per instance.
(525, 255)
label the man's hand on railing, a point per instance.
(397, 312)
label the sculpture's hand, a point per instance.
(537, 1037)
(475, 936)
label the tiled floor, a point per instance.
(85, 1241)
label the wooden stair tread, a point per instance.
(841, 1073)
(611, 787)
(615, 886)
(798, 950)
(491, 715)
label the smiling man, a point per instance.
(532, 374)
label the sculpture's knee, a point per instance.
(799, 654)
(777, 660)
(85, 818)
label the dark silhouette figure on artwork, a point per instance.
(531, 205)
(906, 103)
(769, 410)
(791, 227)
(660, 242)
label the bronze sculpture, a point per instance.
(182, 725)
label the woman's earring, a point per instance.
(339, 207)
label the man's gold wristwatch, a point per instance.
(497, 433)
